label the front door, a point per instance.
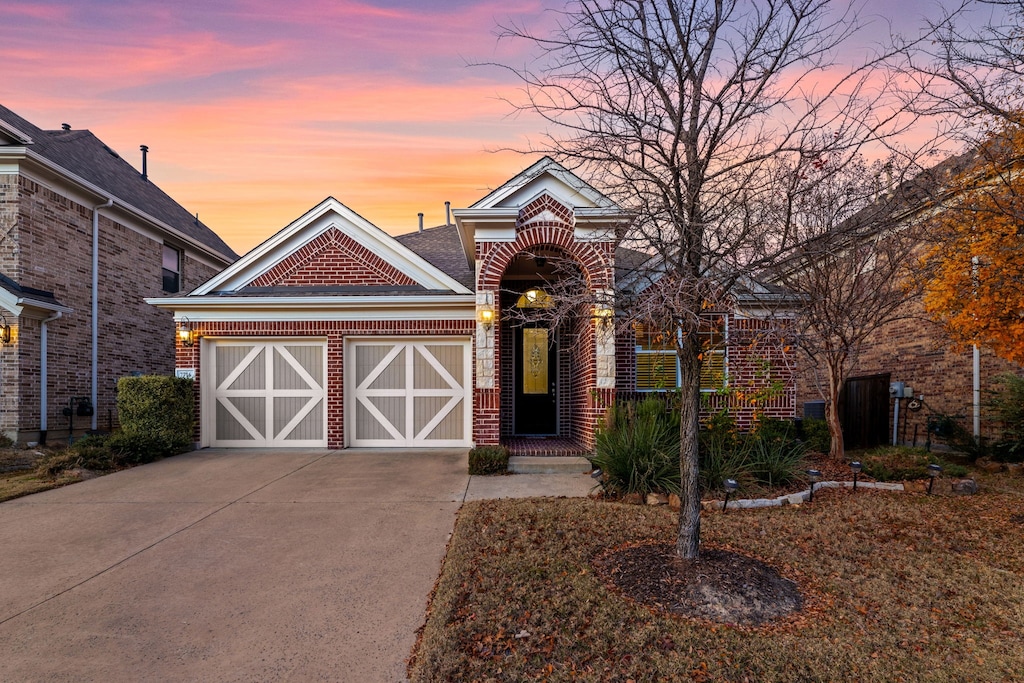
(536, 385)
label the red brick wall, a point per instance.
(332, 258)
(761, 377)
(335, 332)
(55, 254)
(918, 352)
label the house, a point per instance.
(909, 377)
(84, 238)
(334, 334)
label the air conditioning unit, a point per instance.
(896, 389)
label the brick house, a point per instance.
(914, 355)
(335, 334)
(84, 237)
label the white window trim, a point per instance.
(724, 351)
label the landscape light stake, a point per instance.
(730, 486)
(856, 467)
(814, 476)
(933, 472)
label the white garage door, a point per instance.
(402, 393)
(268, 393)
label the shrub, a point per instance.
(6, 441)
(898, 463)
(723, 453)
(156, 415)
(638, 450)
(1008, 406)
(816, 435)
(775, 462)
(88, 453)
(488, 460)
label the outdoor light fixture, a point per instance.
(933, 472)
(485, 314)
(5, 331)
(856, 467)
(185, 332)
(603, 313)
(729, 485)
(815, 477)
(597, 473)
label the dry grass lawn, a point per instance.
(896, 587)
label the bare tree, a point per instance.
(972, 67)
(853, 272)
(690, 115)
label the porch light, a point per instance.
(485, 314)
(855, 467)
(933, 472)
(603, 313)
(5, 331)
(815, 477)
(729, 485)
(185, 332)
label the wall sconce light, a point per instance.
(485, 314)
(185, 332)
(729, 485)
(855, 467)
(603, 313)
(5, 330)
(815, 477)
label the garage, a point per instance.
(267, 393)
(408, 393)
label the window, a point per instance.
(657, 367)
(172, 269)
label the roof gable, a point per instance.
(327, 246)
(545, 177)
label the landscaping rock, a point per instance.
(796, 498)
(633, 499)
(965, 487)
(657, 499)
(1015, 469)
(915, 486)
(674, 502)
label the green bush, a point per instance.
(1008, 406)
(723, 453)
(156, 415)
(775, 461)
(638, 450)
(488, 460)
(816, 435)
(899, 463)
(6, 441)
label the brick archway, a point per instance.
(545, 222)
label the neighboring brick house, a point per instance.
(59, 191)
(915, 353)
(334, 334)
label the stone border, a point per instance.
(796, 498)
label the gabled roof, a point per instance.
(82, 154)
(330, 214)
(564, 185)
(17, 298)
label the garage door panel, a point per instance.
(269, 394)
(407, 393)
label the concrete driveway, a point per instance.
(228, 565)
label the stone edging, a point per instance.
(797, 498)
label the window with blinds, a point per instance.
(657, 367)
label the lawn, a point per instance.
(18, 476)
(896, 587)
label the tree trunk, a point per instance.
(688, 538)
(837, 448)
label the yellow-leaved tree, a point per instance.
(975, 267)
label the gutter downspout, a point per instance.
(96, 303)
(43, 398)
(977, 394)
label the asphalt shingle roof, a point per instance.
(442, 248)
(85, 155)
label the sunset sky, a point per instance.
(255, 110)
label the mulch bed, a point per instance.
(720, 586)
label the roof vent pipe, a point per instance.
(421, 220)
(65, 126)
(447, 213)
(145, 151)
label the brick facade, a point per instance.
(52, 251)
(918, 352)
